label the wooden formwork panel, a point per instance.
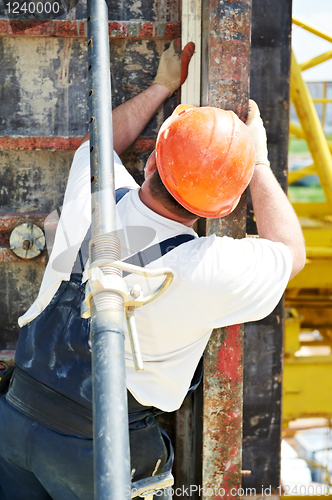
(33, 181)
(19, 284)
(44, 83)
(43, 86)
(44, 114)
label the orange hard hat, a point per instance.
(205, 158)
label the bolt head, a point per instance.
(135, 291)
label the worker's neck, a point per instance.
(157, 207)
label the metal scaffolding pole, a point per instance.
(110, 413)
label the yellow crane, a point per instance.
(308, 379)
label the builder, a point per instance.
(45, 418)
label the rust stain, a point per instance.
(9, 221)
(222, 410)
(145, 144)
(173, 30)
(147, 30)
(229, 55)
(76, 29)
(72, 29)
(118, 30)
(230, 356)
(39, 143)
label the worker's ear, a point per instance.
(150, 165)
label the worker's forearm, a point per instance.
(131, 117)
(274, 214)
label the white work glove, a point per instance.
(173, 65)
(257, 130)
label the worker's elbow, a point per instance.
(299, 259)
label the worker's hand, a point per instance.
(258, 133)
(173, 65)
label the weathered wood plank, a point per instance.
(43, 92)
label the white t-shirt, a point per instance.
(217, 282)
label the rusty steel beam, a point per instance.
(60, 143)
(77, 29)
(263, 340)
(145, 143)
(26, 27)
(226, 43)
(227, 47)
(8, 221)
(223, 388)
(39, 143)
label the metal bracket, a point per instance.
(146, 488)
(27, 241)
(132, 297)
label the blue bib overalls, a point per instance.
(46, 417)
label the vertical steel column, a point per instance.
(226, 38)
(110, 429)
(263, 340)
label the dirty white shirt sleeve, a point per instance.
(72, 226)
(218, 281)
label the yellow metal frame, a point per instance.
(308, 380)
(312, 29)
(312, 131)
(318, 235)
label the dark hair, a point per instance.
(160, 193)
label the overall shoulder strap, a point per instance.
(144, 257)
(119, 193)
(150, 254)
(83, 252)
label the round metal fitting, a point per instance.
(27, 241)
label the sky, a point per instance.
(317, 13)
